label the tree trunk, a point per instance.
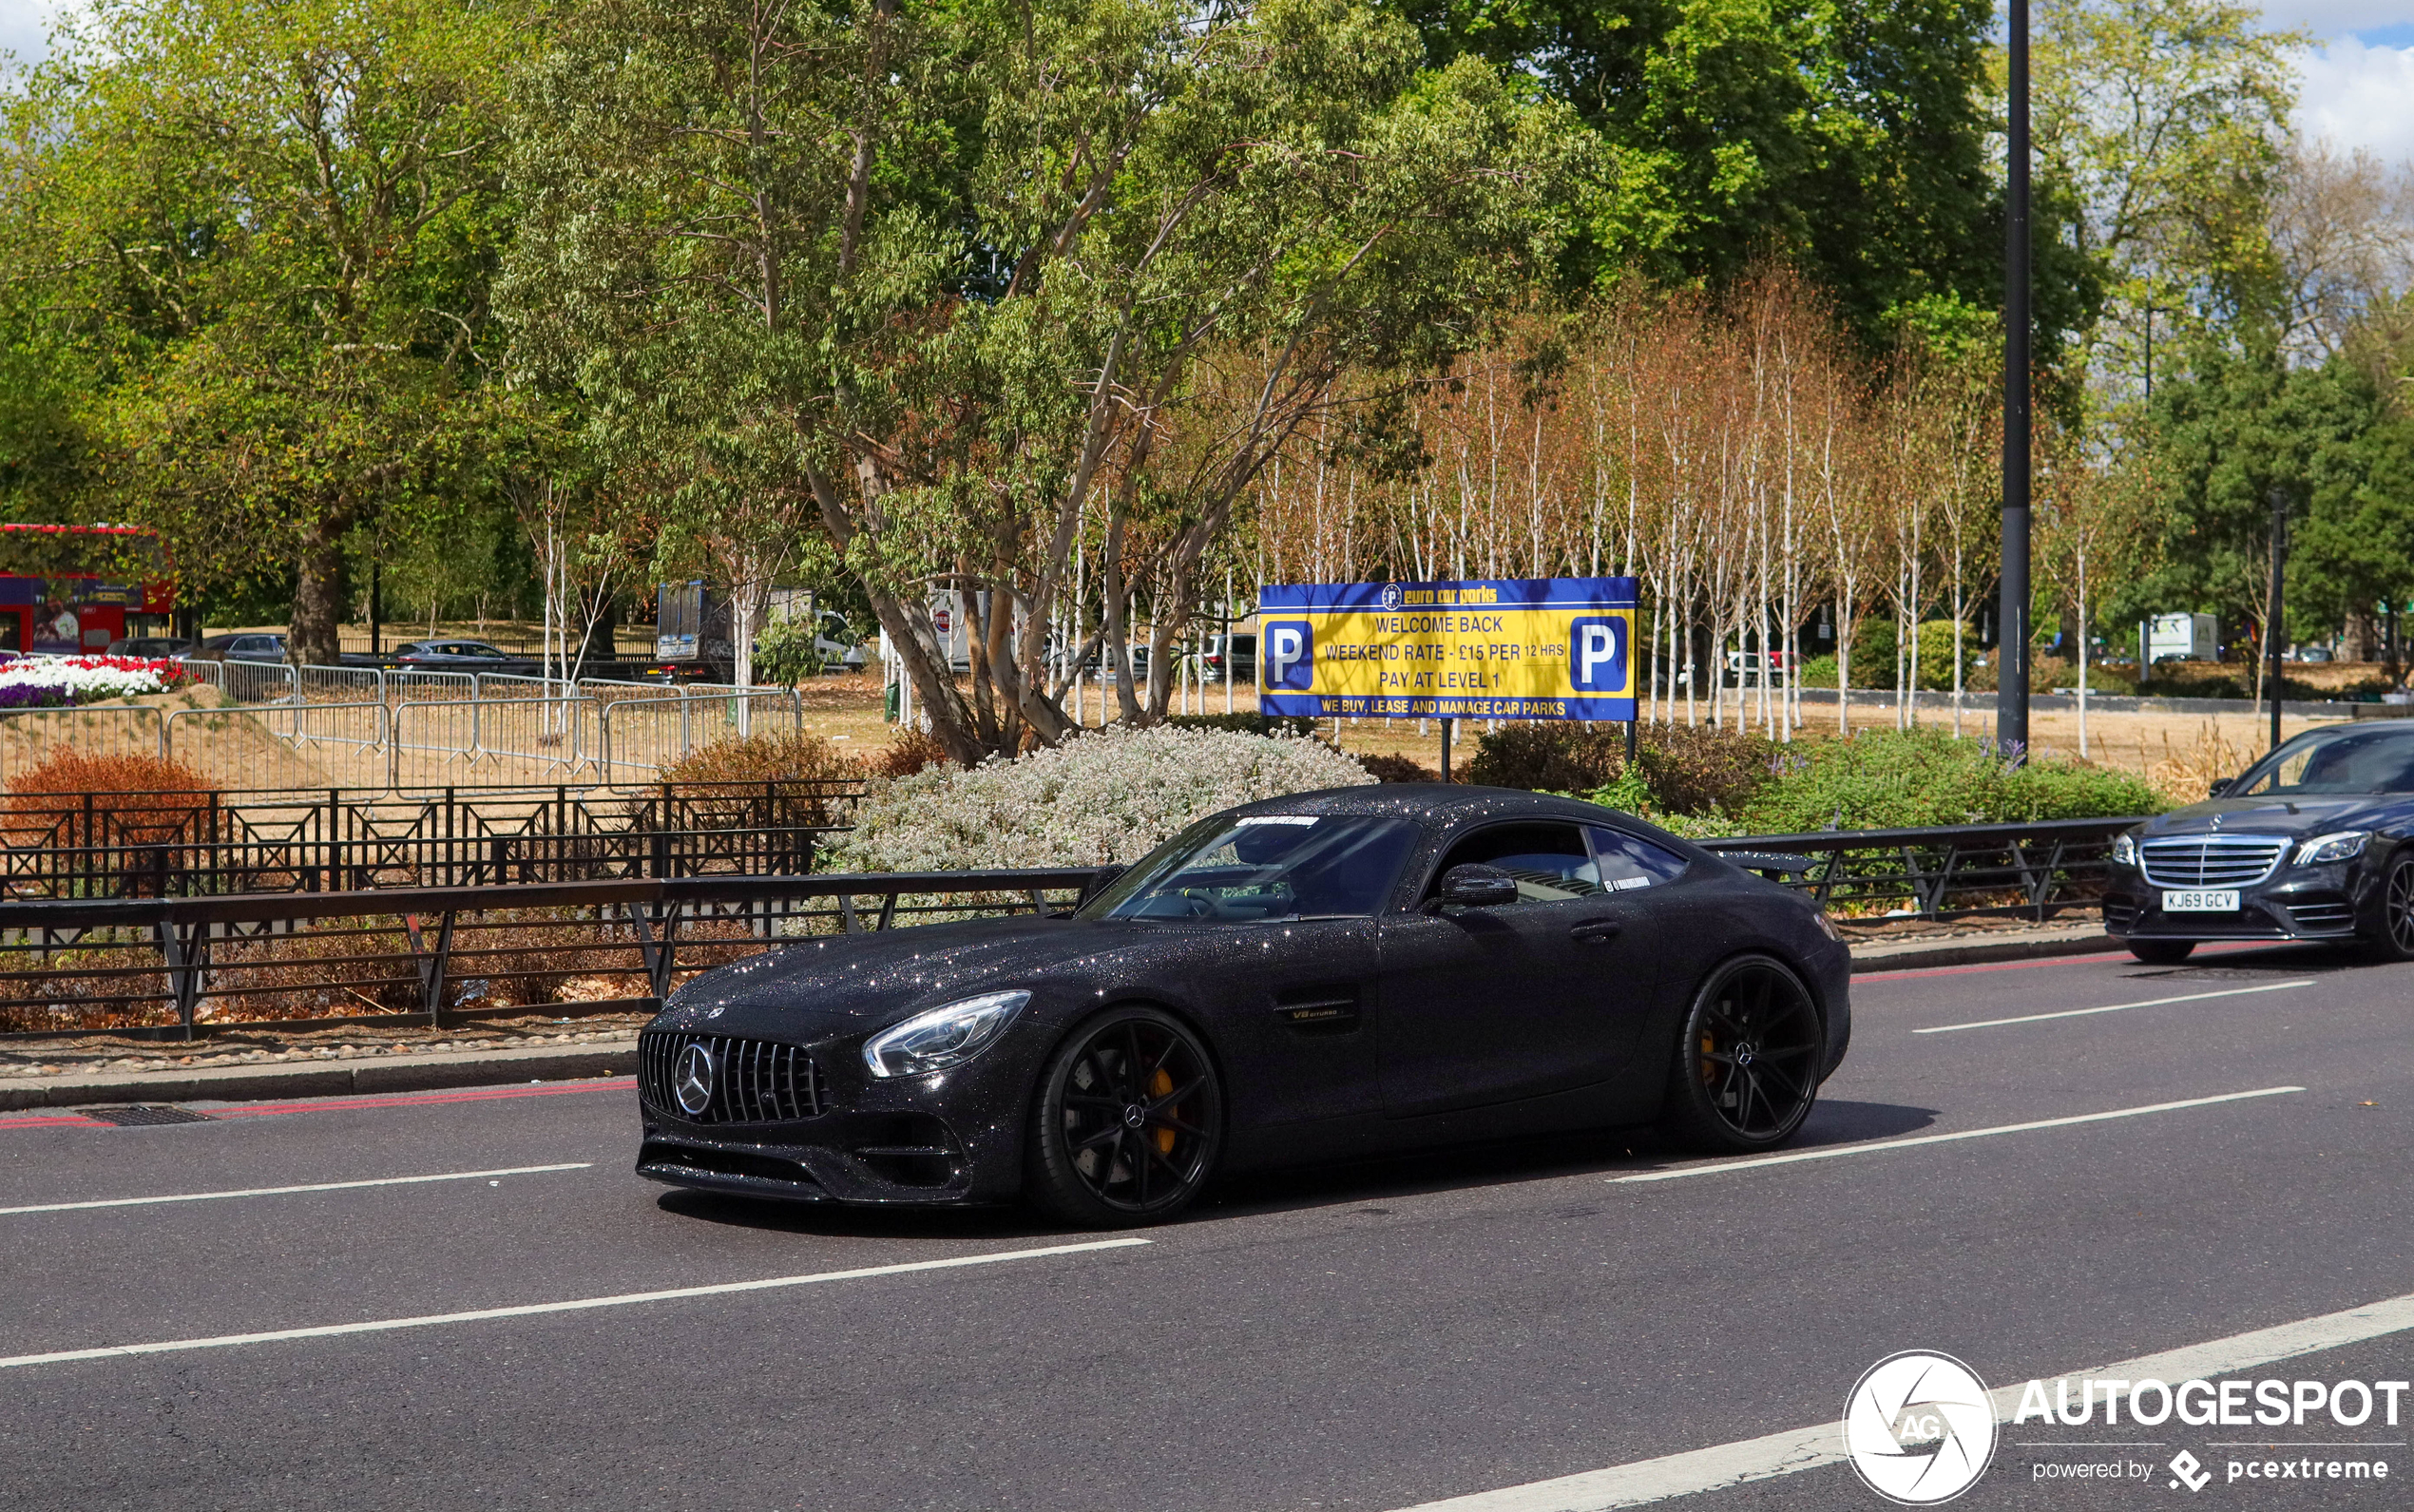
(313, 637)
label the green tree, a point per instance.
(267, 230)
(965, 284)
(1848, 138)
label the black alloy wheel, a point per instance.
(1747, 1068)
(2393, 937)
(1127, 1122)
(2161, 953)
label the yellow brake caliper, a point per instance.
(1158, 1087)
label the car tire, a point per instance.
(2389, 936)
(1747, 1061)
(1126, 1121)
(2161, 953)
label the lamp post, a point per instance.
(2272, 619)
(2011, 619)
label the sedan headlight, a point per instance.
(2344, 846)
(943, 1037)
(2124, 851)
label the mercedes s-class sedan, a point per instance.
(2313, 842)
(1323, 975)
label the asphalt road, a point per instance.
(1374, 1337)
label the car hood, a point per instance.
(2295, 817)
(836, 984)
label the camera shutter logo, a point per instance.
(692, 1082)
(1918, 1428)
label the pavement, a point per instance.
(464, 1297)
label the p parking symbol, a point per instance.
(1597, 653)
(1291, 654)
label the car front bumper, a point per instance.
(2296, 903)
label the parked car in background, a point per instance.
(462, 656)
(158, 647)
(249, 645)
(1241, 650)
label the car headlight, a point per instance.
(1826, 925)
(2124, 851)
(942, 1038)
(2344, 846)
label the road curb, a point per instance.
(1907, 956)
(320, 1078)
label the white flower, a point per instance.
(93, 677)
(1110, 796)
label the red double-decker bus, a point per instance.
(80, 587)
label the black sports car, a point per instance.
(1323, 975)
(2313, 842)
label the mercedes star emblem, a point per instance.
(693, 1081)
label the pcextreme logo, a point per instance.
(1919, 1428)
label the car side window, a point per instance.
(1630, 861)
(1550, 862)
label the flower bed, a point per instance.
(1113, 795)
(46, 682)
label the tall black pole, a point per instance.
(2011, 619)
(2273, 619)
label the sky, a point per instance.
(2358, 79)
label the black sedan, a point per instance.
(2313, 842)
(1325, 975)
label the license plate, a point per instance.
(2200, 901)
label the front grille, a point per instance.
(753, 1080)
(2212, 860)
(2323, 913)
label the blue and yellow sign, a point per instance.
(1510, 648)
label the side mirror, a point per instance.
(1478, 887)
(2221, 786)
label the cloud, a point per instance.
(2356, 94)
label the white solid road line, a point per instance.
(1837, 1152)
(281, 1191)
(1648, 1481)
(329, 1331)
(2116, 1007)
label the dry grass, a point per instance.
(141, 801)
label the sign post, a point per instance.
(1505, 648)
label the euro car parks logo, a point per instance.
(1918, 1428)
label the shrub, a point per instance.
(149, 801)
(1903, 778)
(908, 752)
(1243, 722)
(1108, 797)
(1684, 769)
(777, 778)
(1550, 757)
(1396, 768)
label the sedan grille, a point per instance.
(2212, 860)
(749, 1080)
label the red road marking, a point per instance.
(412, 1100)
(2224, 947)
(395, 1099)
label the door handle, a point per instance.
(1599, 932)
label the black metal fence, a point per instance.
(182, 968)
(2033, 870)
(177, 845)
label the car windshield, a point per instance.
(1263, 869)
(2327, 761)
